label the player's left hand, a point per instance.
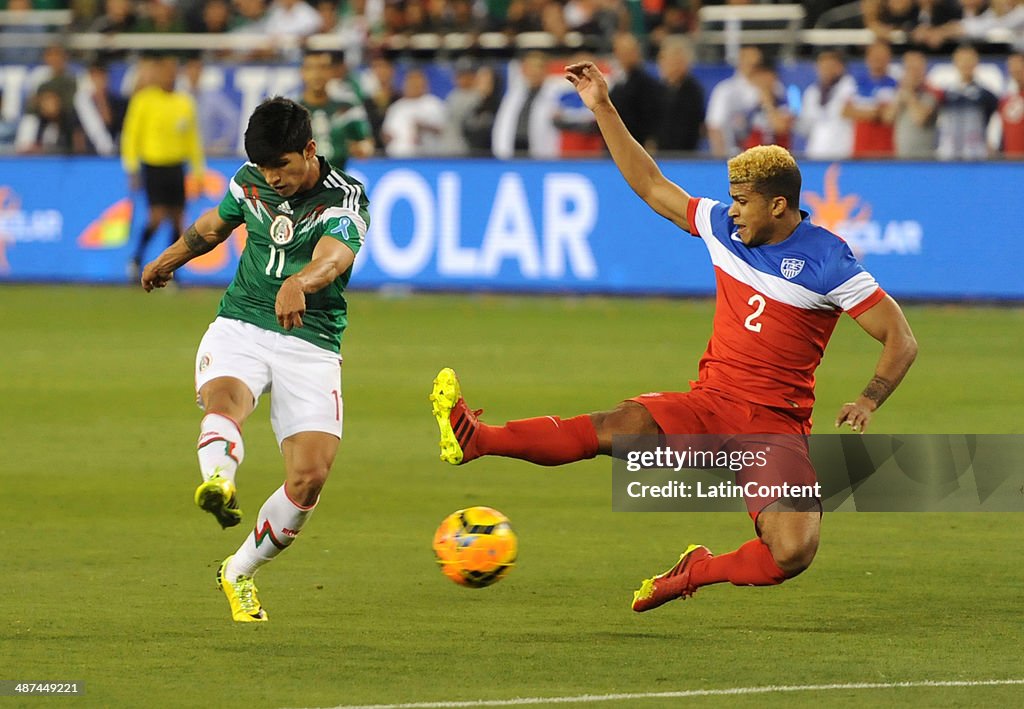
(856, 414)
(290, 305)
(588, 81)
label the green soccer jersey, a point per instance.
(282, 236)
(335, 123)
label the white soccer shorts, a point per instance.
(304, 381)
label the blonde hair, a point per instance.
(770, 169)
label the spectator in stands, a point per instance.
(458, 105)
(635, 93)
(351, 25)
(251, 17)
(731, 102)
(58, 77)
(342, 86)
(216, 17)
(883, 17)
(463, 18)
(964, 111)
(681, 115)
(8, 129)
(330, 18)
(417, 19)
(413, 124)
(218, 116)
(160, 16)
(597, 20)
(829, 134)
(932, 14)
(913, 110)
(15, 54)
(379, 89)
(392, 21)
(525, 121)
(118, 16)
(1011, 108)
(100, 110)
(160, 135)
(292, 18)
(552, 18)
(1005, 15)
(522, 16)
(50, 128)
(674, 20)
(340, 127)
(479, 124)
(771, 122)
(872, 135)
(440, 15)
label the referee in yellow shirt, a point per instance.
(160, 134)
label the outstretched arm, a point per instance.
(200, 238)
(331, 258)
(885, 322)
(641, 172)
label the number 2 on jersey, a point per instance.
(757, 300)
(278, 255)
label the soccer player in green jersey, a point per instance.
(278, 329)
(340, 127)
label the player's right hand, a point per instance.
(153, 276)
(588, 81)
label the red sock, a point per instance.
(750, 565)
(547, 440)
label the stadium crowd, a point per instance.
(919, 90)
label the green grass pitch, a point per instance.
(107, 567)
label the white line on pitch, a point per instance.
(589, 698)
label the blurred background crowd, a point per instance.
(917, 79)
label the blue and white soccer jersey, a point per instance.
(777, 305)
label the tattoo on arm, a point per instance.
(196, 243)
(878, 390)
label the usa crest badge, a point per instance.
(791, 267)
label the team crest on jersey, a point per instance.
(282, 231)
(791, 267)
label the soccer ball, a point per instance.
(476, 546)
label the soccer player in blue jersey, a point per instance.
(278, 330)
(782, 285)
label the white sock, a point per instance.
(220, 448)
(280, 520)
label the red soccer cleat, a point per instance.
(674, 583)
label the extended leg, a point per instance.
(545, 440)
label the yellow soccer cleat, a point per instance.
(241, 593)
(674, 583)
(217, 496)
(457, 422)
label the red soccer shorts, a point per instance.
(709, 412)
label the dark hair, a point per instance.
(784, 183)
(277, 126)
